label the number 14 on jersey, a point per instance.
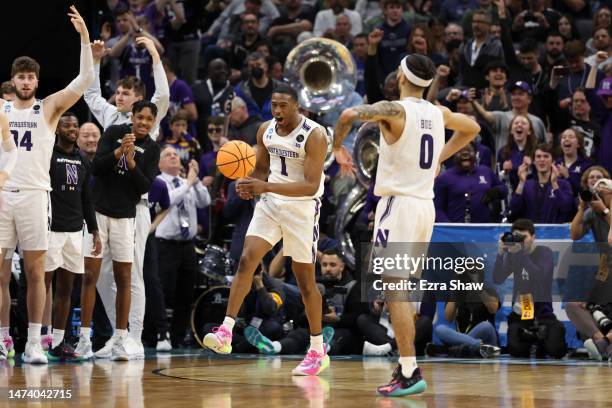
(26, 139)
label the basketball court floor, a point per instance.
(199, 379)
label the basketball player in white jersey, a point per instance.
(8, 158)
(411, 149)
(24, 216)
(289, 177)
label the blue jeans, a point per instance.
(483, 332)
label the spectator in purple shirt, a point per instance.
(467, 192)
(546, 198)
(532, 266)
(573, 161)
(520, 148)
(181, 99)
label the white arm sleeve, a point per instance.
(103, 111)
(161, 97)
(8, 158)
(86, 72)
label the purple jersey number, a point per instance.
(26, 140)
(426, 155)
(283, 166)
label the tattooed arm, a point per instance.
(384, 113)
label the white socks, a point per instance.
(58, 336)
(229, 322)
(316, 343)
(86, 332)
(34, 332)
(122, 334)
(408, 364)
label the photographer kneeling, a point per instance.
(532, 320)
(591, 318)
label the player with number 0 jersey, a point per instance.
(411, 150)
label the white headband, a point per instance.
(413, 78)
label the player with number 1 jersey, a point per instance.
(288, 175)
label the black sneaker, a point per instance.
(489, 351)
(63, 352)
(401, 386)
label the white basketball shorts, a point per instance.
(295, 221)
(65, 251)
(117, 236)
(403, 225)
(24, 217)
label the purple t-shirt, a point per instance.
(137, 62)
(159, 199)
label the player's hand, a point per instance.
(78, 23)
(97, 244)
(345, 161)
(243, 194)
(147, 43)
(98, 50)
(251, 185)
(192, 173)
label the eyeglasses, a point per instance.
(215, 129)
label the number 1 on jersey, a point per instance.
(283, 166)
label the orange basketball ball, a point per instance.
(236, 159)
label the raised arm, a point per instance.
(465, 129)
(59, 102)
(161, 97)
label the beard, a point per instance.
(27, 95)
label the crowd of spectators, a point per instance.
(537, 75)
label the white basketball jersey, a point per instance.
(408, 166)
(287, 154)
(34, 142)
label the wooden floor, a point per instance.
(198, 379)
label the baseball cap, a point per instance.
(522, 85)
(605, 88)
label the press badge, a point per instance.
(527, 309)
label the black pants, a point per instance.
(156, 320)
(519, 342)
(375, 333)
(177, 273)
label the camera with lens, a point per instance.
(533, 334)
(587, 196)
(512, 238)
(601, 319)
